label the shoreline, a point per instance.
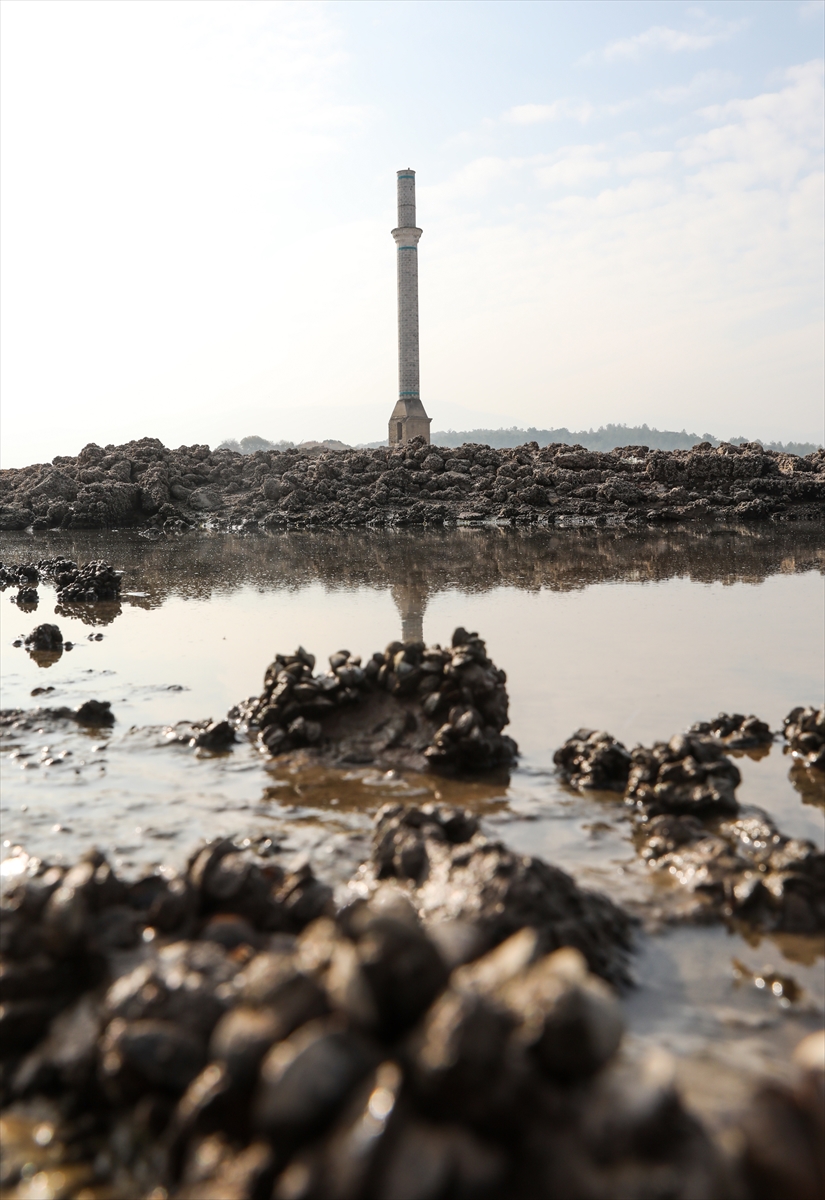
(146, 486)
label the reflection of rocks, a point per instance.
(809, 783)
(737, 731)
(144, 482)
(227, 1033)
(484, 559)
(102, 613)
(689, 826)
(411, 706)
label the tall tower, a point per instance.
(408, 418)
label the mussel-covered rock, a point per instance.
(689, 826)
(737, 731)
(784, 1131)
(44, 637)
(690, 775)
(593, 759)
(474, 892)
(440, 1035)
(741, 867)
(412, 706)
(804, 730)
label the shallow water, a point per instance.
(637, 634)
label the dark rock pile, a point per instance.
(226, 1034)
(92, 713)
(804, 730)
(229, 1033)
(412, 706)
(737, 731)
(690, 826)
(44, 637)
(144, 483)
(592, 759)
(95, 581)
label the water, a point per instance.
(637, 634)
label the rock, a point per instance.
(95, 712)
(144, 483)
(451, 872)
(412, 706)
(350, 1061)
(804, 730)
(784, 1142)
(689, 826)
(204, 499)
(737, 731)
(217, 736)
(306, 1078)
(592, 759)
(136, 1055)
(689, 775)
(45, 637)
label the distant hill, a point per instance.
(249, 445)
(607, 437)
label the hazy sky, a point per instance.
(622, 207)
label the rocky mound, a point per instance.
(411, 706)
(804, 729)
(144, 483)
(229, 1033)
(689, 826)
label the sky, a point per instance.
(622, 207)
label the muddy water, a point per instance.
(637, 634)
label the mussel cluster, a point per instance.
(689, 824)
(737, 731)
(44, 637)
(230, 1034)
(97, 580)
(19, 575)
(453, 701)
(804, 730)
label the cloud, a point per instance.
(682, 279)
(704, 81)
(812, 10)
(577, 166)
(533, 114)
(664, 38)
(650, 162)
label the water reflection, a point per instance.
(417, 566)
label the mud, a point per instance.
(145, 484)
(233, 1031)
